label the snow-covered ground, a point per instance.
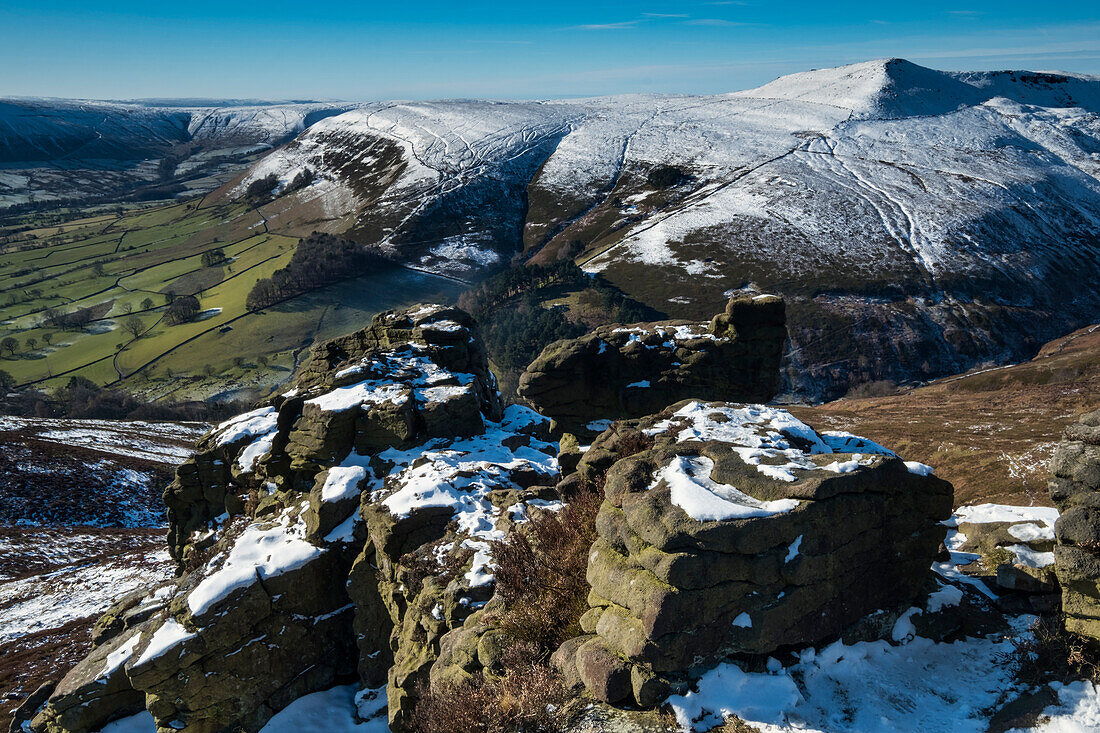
(53, 599)
(101, 473)
(906, 682)
(161, 442)
(868, 687)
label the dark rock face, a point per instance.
(630, 371)
(1075, 490)
(337, 533)
(820, 530)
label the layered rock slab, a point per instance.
(337, 532)
(628, 371)
(737, 529)
(1075, 489)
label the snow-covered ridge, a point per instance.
(886, 88)
(39, 129)
(920, 161)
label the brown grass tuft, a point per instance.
(1052, 653)
(529, 698)
(541, 574)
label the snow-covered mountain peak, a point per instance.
(882, 88)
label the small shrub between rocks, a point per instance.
(541, 574)
(1052, 653)
(528, 698)
(418, 567)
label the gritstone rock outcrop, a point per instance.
(342, 531)
(630, 371)
(1075, 490)
(731, 528)
(334, 534)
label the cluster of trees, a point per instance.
(517, 326)
(515, 336)
(262, 188)
(300, 181)
(74, 320)
(182, 309)
(212, 257)
(320, 259)
(611, 305)
(485, 298)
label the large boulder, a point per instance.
(337, 532)
(628, 371)
(731, 528)
(1075, 490)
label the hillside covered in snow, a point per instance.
(927, 220)
(80, 150)
(918, 222)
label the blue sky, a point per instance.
(425, 49)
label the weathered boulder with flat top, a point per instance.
(732, 528)
(625, 371)
(1075, 490)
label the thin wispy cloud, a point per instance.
(490, 42)
(714, 22)
(452, 52)
(621, 25)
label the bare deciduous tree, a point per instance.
(133, 326)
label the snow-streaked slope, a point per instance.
(439, 183)
(80, 149)
(256, 125)
(81, 130)
(921, 221)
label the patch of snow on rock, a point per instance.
(257, 553)
(703, 499)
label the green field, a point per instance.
(122, 264)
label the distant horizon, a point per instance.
(185, 102)
(339, 51)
